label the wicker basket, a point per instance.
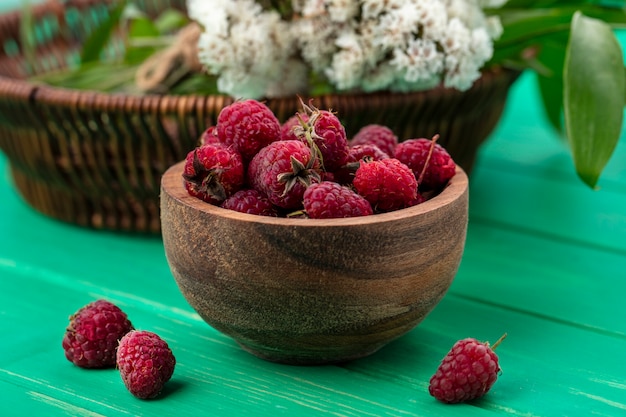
(96, 159)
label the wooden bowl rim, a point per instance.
(172, 185)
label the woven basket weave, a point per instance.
(96, 159)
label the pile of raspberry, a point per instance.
(308, 167)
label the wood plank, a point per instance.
(545, 206)
(550, 368)
(562, 281)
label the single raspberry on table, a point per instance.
(145, 362)
(213, 172)
(250, 201)
(387, 184)
(92, 335)
(324, 129)
(329, 200)
(249, 125)
(467, 372)
(428, 160)
(282, 171)
(375, 134)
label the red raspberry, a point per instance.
(213, 172)
(249, 125)
(378, 135)
(387, 184)
(467, 372)
(415, 154)
(419, 199)
(325, 130)
(345, 174)
(329, 200)
(358, 152)
(209, 136)
(251, 202)
(91, 338)
(282, 171)
(287, 129)
(145, 362)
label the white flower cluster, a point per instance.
(367, 45)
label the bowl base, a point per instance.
(300, 358)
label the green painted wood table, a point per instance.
(545, 261)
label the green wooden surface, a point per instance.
(545, 261)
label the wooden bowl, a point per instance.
(305, 291)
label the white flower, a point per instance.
(379, 78)
(432, 18)
(463, 66)
(347, 66)
(420, 61)
(342, 10)
(246, 47)
(364, 45)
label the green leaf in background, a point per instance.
(552, 57)
(97, 41)
(170, 21)
(27, 34)
(146, 36)
(593, 95)
(140, 27)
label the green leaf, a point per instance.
(171, 20)
(97, 41)
(200, 84)
(140, 27)
(27, 35)
(552, 56)
(594, 85)
(95, 76)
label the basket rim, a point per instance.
(54, 95)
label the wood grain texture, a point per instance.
(308, 291)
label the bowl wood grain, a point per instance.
(304, 291)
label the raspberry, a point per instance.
(249, 125)
(282, 171)
(345, 174)
(287, 128)
(91, 338)
(439, 168)
(329, 200)
(145, 362)
(358, 152)
(467, 372)
(378, 135)
(419, 199)
(213, 172)
(251, 202)
(209, 136)
(325, 130)
(387, 184)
